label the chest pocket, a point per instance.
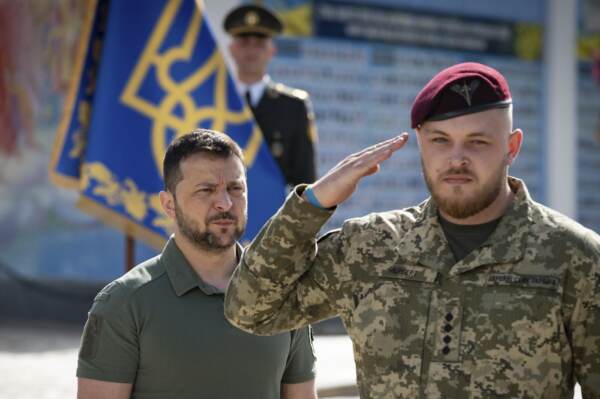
(515, 328)
(388, 328)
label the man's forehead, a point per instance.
(243, 40)
(246, 36)
(209, 166)
(489, 122)
(449, 132)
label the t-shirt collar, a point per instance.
(182, 276)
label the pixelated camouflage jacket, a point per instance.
(517, 318)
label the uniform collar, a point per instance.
(182, 276)
(256, 89)
(426, 244)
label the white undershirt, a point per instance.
(257, 89)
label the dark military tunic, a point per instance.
(286, 119)
(518, 317)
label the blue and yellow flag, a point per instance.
(149, 73)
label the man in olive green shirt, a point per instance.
(159, 331)
(478, 292)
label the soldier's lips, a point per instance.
(223, 222)
(457, 179)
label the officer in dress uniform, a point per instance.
(284, 114)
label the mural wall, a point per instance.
(42, 234)
(362, 62)
(588, 115)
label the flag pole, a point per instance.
(129, 252)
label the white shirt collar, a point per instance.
(257, 89)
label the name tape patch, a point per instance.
(524, 280)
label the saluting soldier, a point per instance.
(284, 114)
(478, 292)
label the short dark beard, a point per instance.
(462, 209)
(204, 239)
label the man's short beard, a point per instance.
(204, 239)
(462, 208)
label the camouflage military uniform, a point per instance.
(517, 318)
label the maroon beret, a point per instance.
(458, 90)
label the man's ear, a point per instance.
(515, 140)
(272, 49)
(167, 201)
(233, 48)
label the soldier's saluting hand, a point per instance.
(340, 182)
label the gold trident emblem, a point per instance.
(251, 18)
(177, 110)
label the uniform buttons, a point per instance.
(445, 350)
(447, 339)
(449, 316)
(277, 149)
(447, 328)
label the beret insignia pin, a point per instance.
(466, 91)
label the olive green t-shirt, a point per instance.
(161, 328)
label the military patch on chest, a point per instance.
(408, 272)
(533, 281)
(402, 271)
(91, 336)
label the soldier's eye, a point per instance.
(236, 190)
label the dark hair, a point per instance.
(205, 141)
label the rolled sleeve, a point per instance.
(300, 366)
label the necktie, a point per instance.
(248, 98)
